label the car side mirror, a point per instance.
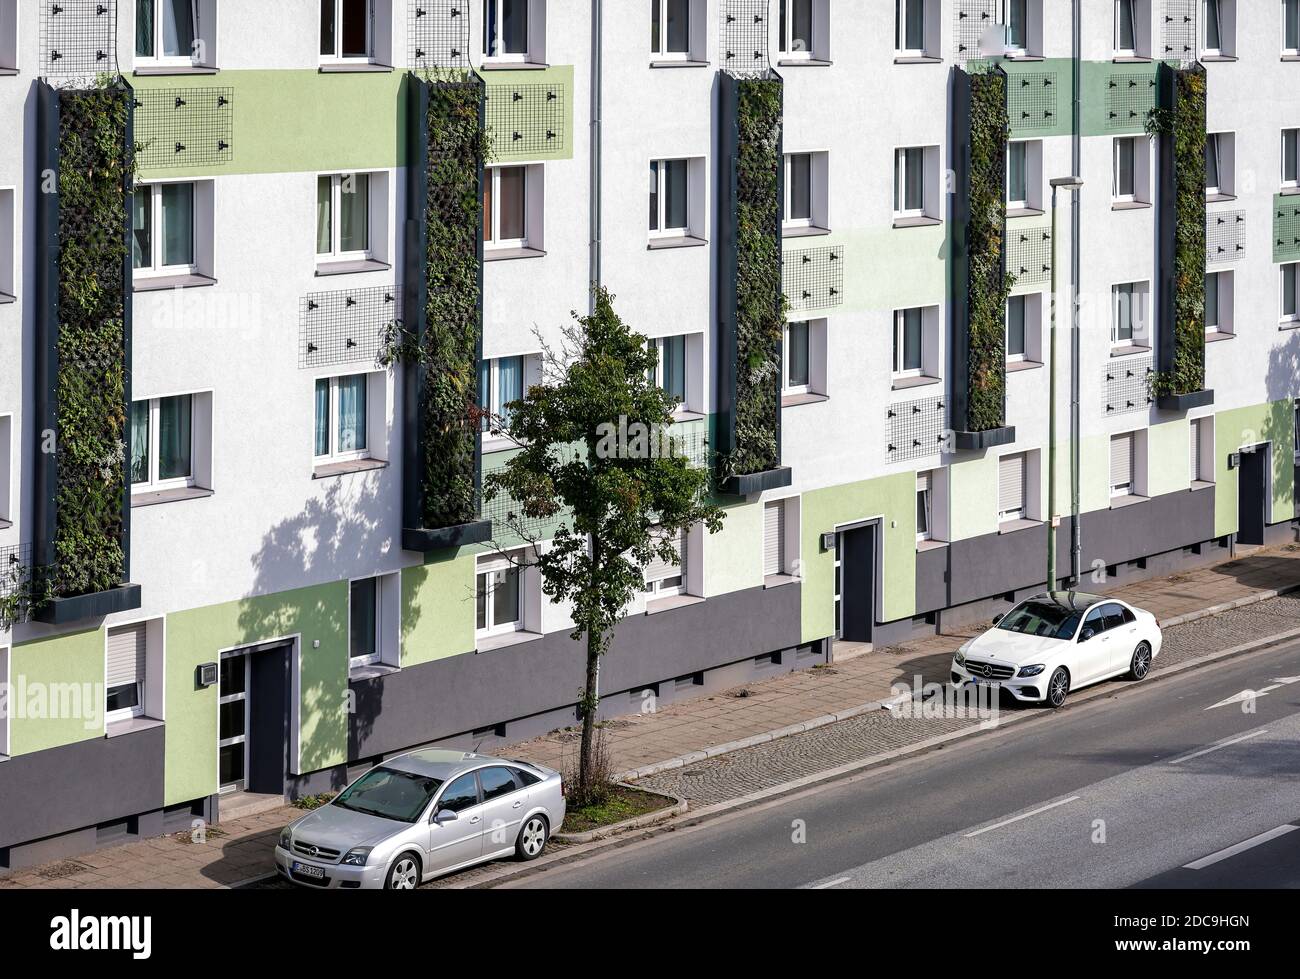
(997, 618)
(1087, 634)
(445, 816)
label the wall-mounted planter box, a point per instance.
(81, 499)
(1180, 228)
(751, 302)
(443, 304)
(980, 285)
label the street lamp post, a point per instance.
(1071, 184)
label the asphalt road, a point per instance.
(1151, 787)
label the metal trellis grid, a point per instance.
(526, 119)
(180, 127)
(814, 277)
(78, 38)
(438, 33)
(345, 327)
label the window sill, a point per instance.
(152, 71)
(1011, 526)
(1129, 206)
(904, 383)
(917, 59)
(804, 63)
(1215, 58)
(1289, 325)
(135, 724)
(505, 640)
(372, 671)
(930, 545)
(1291, 57)
(777, 580)
(675, 241)
(1200, 484)
(345, 68)
(5, 524)
(512, 66)
(8, 72)
(670, 603)
(497, 443)
(1289, 191)
(1129, 350)
(1015, 366)
(6, 299)
(1119, 502)
(921, 222)
(324, 269)
(1025, 212)
(332, 469)
(685, 415)
(685, 63)
(510, 254)
(1217, 198)
(1024, 57)
(158, 497)
(1130, 59)
(1214, 336)
(811, 231)
(807, 398)
(163, 283)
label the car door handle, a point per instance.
(474, 819)
(517, 805)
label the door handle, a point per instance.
(516, 805)
(474, 819)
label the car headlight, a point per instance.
(1034, 670)
(961, 656)
(356, 857)
(286, 839)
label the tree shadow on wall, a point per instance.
(1282, 384)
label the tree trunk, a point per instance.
(590, 701)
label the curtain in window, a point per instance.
(354, 213)
(144, 28)
(178, 224)
(352, 413)
(178, 28)
(174, 429)
(510, 385)
(654, 196)
(324, 217)
(323, 417)
(512, 203)
(514, 27)
(485, 392)
(674, 367)
(140, 441)
(141, 239)
(801, 25)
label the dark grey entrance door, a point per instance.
(1252, 501)
(857, 558)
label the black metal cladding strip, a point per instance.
(438, 33)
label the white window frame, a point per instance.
(370, 659)
(663, 54)
(9, 49)
(1023, 147)
(1294, 7)
(901, 9)
(660, 168)
(9, 238)
(1023, 301)
(900, 336)
(1008, 516)
(788, 183)
(925, 499)
(171, 61)
(153, 484)
(332, 428)
(1121, 145)
(1291, 269)
(1224, 25)
(786, 387)
(337, 57)
(660, 587)
(657, 375)
(485, 567)
(491, 399)
(1120, 490)
(785, 39)
(524, 57)
(336, 254)
(494, 240)
(1018, 50)
(900, 182)
(1225, 295)
(1293, 134)
(1214, 147)
(112, 717)
(1138, 291)
(1135, 12)
(155, 268)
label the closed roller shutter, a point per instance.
(774, 538)
(1121, 464)
(1011, 486)
(1196, 450)
(126, 656)
(659, 569)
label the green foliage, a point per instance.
(23, 589)
(760, 300)
(988, 285)
(96, 165)
(458, 147)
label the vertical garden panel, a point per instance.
(443, 303)
(980, 284)
(1179, 123)
(751, 303)
(82, 504)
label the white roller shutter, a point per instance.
(1121, 464)
(126, 656)
(1011, 485)
(1196, 450)
(659, 569)
(774, 538)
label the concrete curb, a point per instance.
(636, 822)
(1259, 596)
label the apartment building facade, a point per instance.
(282, 620)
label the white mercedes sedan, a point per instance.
(1059, 641)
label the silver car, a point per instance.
(420, 815)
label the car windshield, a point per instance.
(391, 794)
(1041, 619)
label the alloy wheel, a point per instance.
(1141, 661)
(534, 837)
(1058, 687)
(405, 875)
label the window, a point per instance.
(8, 65)
(166, 32)
(501, 383)
(1129, 314)
(460, 795)
(1132, 28)
(1290, 157)
(806, 194)
(509, 29)
(909, 182)
(363, 622)
(8, 236)
(797, 363)
(670, 29)
(162, 241)
(909, 330)
(774, 533)
(1218, 303)
(496, 782)
(1202, 450)
(1017, 177)
(498, 599)
(162, 443)
(1017, 21)
(126, 671)
(1016, 328)
(670, 372)
(1011, 487)
(669, 194)
(1122, 465)
(1291, 26)
(924, 507)
(347, 29)
(910, 27)
(343, 216)
(6, 481)
(799, 27)
(1213, 164)
(505, 203)
(1296, 436)
(1124, 183)
(1218, 28)
(663, 578)
(342, 426)
(1290, 287)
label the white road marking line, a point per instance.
(1270, 687)
(1024, 815)
(1241, 847)
(832, 883)
(1216, 747)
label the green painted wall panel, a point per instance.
(973, 496)
(733, 557)
(57, 691)
(438, 607)
(1169, 452)
(1273, 422)
(559, 76)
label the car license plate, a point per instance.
(307, 870)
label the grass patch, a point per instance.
(310, 802)
(623, 803)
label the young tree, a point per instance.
(595, 452)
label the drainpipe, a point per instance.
(597, 45)
(1076, 537)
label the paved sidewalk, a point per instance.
(240, 850)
